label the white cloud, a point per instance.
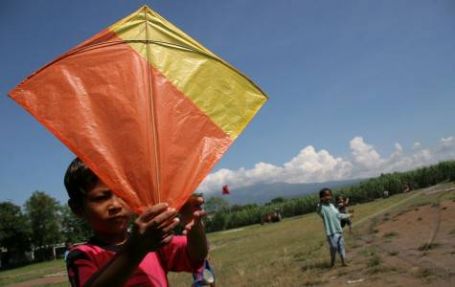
(312, 165)
(365, 156)
(449, 141)
(416, 145)
(316, 166)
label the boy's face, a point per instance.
(107, 214)
(327, 197)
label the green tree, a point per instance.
(215, 204)
(277, 200)
(14, 230)
(74, 228)
(43, 212)
(219, 221)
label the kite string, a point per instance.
(153, 118)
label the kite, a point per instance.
(146, 107)
(225, 190)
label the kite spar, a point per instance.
(145, 106)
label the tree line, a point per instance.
(43, 221)
(40, 224)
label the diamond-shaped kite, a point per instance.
(145, 106)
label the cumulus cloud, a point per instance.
(416, 145)
(312, 165)
(364, 155)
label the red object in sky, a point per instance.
(226, 190)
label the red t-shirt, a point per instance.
(85, 259)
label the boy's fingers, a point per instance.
(161, 219)
(153, 211)
(188, 227)
(199, 214)
(169, 226)
(195, 200)
(166, 239)
(199, 200)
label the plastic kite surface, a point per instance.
(145, 106)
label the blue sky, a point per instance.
(356, 87)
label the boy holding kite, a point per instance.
(116, 257)
(135, 87)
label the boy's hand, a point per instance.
(191, 213)
(153, 228)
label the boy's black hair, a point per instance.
(79, 179)
(323, 191)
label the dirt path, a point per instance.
(49, 279)
(414, 246)
(391, 207)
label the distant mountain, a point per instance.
(262, 193)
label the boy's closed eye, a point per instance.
(101, 196)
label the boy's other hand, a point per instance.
(154, 228)
(191, 213)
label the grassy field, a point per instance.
(34, 271)
(290, 253)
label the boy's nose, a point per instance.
(116, 202)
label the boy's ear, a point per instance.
(75, 207)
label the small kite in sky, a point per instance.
(225, 190)
(145, 106)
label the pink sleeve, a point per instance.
(175, 256)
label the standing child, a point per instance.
(115, 257)
(331, 218)
(342, 204)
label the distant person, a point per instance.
(331, 218)
(115, 257)
(276, 217)
(386, 193)
(342, 204)
(68, 247)
(407, 188)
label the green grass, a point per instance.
(32, 271)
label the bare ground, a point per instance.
(414, 247)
